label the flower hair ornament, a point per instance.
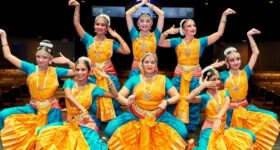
(85, 59)
(181, 26)
(105, 17)
(205, 70)
(229, 50)
(45, 45)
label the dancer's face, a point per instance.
(43, 58)
(82, 72)
(189, 28)
(149, 64)
(216, 79)
(100, 26)
(145, 22)
(234, 60)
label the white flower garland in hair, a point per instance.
(107, 18)
(83, 58)
(45, 44)
(203, 71)
(181, 27)
(229, 50)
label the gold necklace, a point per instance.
(142, 40)
(147, 95)
(79, 90)
(98, 46)
(45, 79)
(235, 87)
(218, 104)
(188, 49)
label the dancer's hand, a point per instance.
(172, 30)
(218, 63)
(130, 99)
(253, 31)
(217, 124)
(2, 32)
(73, 3)
(229, 11)
(113, 33)
(61, 59)
(163, 104)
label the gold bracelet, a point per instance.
(135, 8)
(253, 46)
(6, 44)
(152, 6)
(223, 21)
(111, 84)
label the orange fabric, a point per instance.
(19, 132)
(62, 137)
(156, 92)
(146, 134)
(144, 45)
(105, 107)
(265, 127)
(50, 87)
(182, 108)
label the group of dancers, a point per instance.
(160, 112)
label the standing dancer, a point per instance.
(187, 72)
(100, 50)
(145, 40)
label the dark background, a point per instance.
(52, 19)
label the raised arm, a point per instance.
(6, 50)
(76, 18)
(163, 42)
(160, 14)
(124, 49)
(128, 14)
(215, 36)
(255, 50)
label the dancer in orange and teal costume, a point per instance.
(187, 72)
(100, 50)
(19, 124)
(262, 122)
(215, 135)
(143, 41)
(80, 130)
(147, 125)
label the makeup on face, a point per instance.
(234, 59)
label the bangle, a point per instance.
(253, 45)
(197, 91)
(165, 34)
(167, 103)
(84, 112)
(151, 6)
(223, 21)
(135, 8)
(111, 84)
(6, 44)
(76, 14)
